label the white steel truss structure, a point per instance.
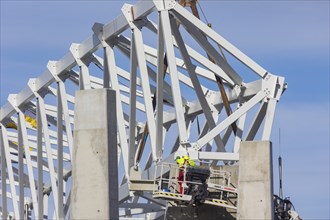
(164, 64)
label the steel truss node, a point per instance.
(166, 87)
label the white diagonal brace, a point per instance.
(220, 40)
(67, 120)
(110, 72)
(64, 97)
(151, 55)
(41, 108)
(198, 89)
(138, 43)
(110, 57)
(146, 88)
(199, 58)
(176, 91)
(218, 59)
(26, 146)
(229, 120)
(5, 145)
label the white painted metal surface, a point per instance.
(35, 160)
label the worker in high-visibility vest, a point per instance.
(182, 162)
(189, 161)
(185, 160)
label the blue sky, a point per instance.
(288, 38)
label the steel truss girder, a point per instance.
(39, 164)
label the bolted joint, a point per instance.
(195, 147)
(169, 4)
(193, 153)
(98, 31)
(32, 85)
(140, 23)
(270, 86)
(127, 11)
(75, 51)
(184, 142)
(52, 67)
(12, 100)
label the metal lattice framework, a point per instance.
(131, 55)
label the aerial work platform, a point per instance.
(199, 185)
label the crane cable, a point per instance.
(218, 79)
(210, 25)
(200, 7)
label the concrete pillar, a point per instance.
(255, 181)
(94, 193)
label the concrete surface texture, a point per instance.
(94, 187)
(255, 181)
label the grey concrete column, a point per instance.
(255, 181)
(94, 159)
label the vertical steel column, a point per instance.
(269, 118)
(65, 111)
(40, 164)
(52, 173)
(132, 104)
(84, 80)
(110, 57)
(20, 168)
(159, 93)
(106, 70)
(60, 152)
(26, 146)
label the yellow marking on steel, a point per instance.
(169, 194)
(218, 201)
(16, 143)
